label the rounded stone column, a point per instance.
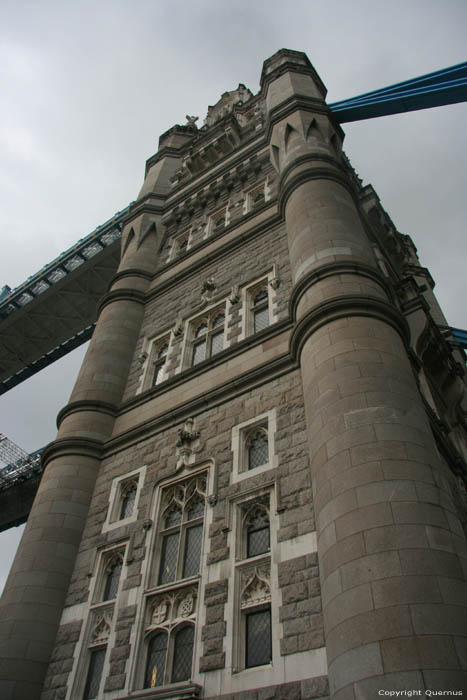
(34, 597)
(390, 545)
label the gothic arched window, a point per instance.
(159, 365)
(156, 659)
(128, 499)
(257, 448)
(112, 578)
(183, 654)
(208, 338)
(182, 531)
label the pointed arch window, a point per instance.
(170, 656)
(128, 499)
(159, 364)
(112, 577)
(183, 654)
(182, 524)
(208, 338)
(257, 446)
(260, 309)
(258, 647)
(157, 656)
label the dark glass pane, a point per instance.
(199, 352)
(220, 223)
(155, 666)
(258, 198)
(195, 508)
(261, 319)
(93, 680)
(111, 582)
(217, 342)
(201, 330)
(261, 296)
(168, 567)
(163, 351)
(218, 321)
(158, 373)
(258, 453)
(258, 638)
(258, 534)
(183, 654)
(173, 517)
(128, 503)
(182, 246)
(193, 541)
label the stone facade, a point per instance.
(257, 490)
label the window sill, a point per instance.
(180, 691)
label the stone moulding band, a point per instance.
(76, 447)
(132, 272)
(121, 295)
(79, 406)
(304, 104)
(320, 173)
(342, 307)
(331, 270)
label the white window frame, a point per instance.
(248, 293)
(175, 248)
(249, 203)
(115, 499)
(240, 434)
(214, 217)
(149, 358)
(208, 316)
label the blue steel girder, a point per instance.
(442, 87)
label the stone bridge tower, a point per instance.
(258, 487)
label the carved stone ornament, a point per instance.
(212, 499)
(234, 297)
(178, 328)
(207, 290)
(275, 283)
(186, 605)
(257, 589)
(142, 357)
(159, 612)
(101, 630)
(187, 443)
(191, 121)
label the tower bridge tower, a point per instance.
(257, 488)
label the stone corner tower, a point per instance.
(257, 489)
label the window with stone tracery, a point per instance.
(257, 447)
(170, 635)
(255, 617)
(207, 333)
(181, 529)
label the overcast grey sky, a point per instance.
(87, 87)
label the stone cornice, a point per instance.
(89, 405)
(121, 295)
(344, 307)
(255, 377)
(304, 103)
(336, 268)
(132, 272)
(75, 446)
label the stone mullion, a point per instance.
(382, 517)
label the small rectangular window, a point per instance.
(258, 638)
